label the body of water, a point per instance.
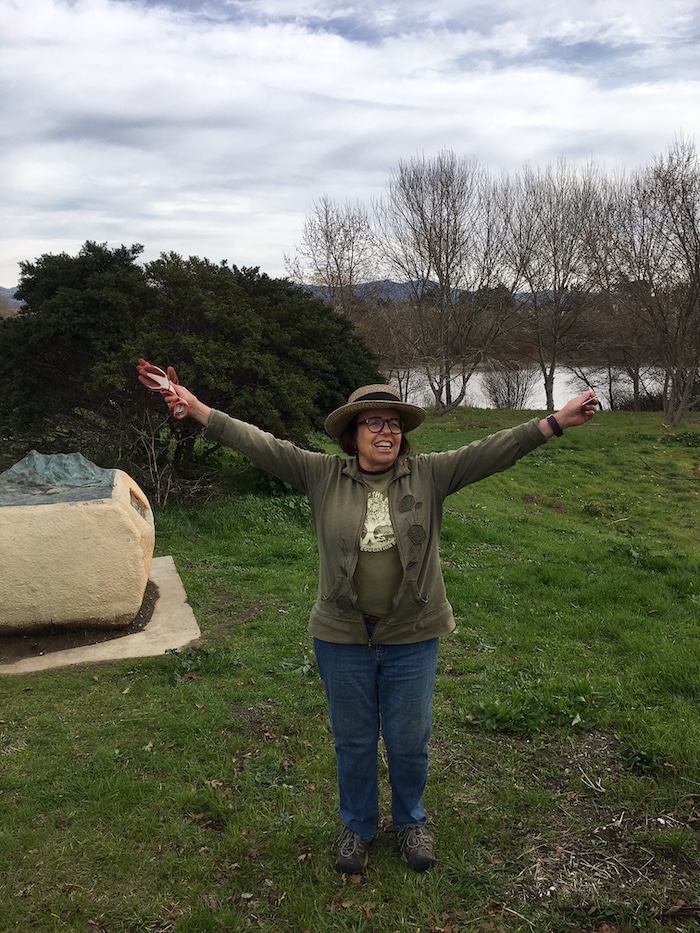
(566, 387)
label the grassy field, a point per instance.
(196, 792)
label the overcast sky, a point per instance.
(209, 127)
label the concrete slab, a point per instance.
(171, 626)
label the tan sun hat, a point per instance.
(374, 396)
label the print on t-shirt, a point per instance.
(378, 532)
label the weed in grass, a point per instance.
(190, 663)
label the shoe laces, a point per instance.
(349, 843)
(415, 837)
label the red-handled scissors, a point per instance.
(156, 379)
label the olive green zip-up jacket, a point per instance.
(338, 500)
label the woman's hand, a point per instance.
(577, 411)
(198, 410)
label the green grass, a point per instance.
(196, 792)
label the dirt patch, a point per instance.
(594, 851)
(51, 639)
(583, 847)
(554, 505)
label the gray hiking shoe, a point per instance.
(351, 854)
(416, 847)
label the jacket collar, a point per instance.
(401, 468)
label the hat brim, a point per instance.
(411, 415)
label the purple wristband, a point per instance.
(554, 425)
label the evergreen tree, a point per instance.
(262, 349)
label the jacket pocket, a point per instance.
(340, 597)
(418, 597)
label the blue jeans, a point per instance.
(387, 688)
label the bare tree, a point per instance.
(649, 262)
(605, 273)
(391, 329)
(509, 385)
(436, 227)
(619, 347)
(545, 214)
(337, 251)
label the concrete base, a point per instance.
(172, 626)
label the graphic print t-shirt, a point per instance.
(378, 571)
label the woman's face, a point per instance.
(377, 451)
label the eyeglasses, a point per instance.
(375, 425)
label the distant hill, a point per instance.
(381, 290)
(387, 290)
(8, 305)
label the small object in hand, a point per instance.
(590, 401)
(156, 379)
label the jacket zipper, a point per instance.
(370, 636)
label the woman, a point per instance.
(381, 606)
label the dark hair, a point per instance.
(348, 440)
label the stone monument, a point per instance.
(76, 545)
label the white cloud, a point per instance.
(209, 128)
